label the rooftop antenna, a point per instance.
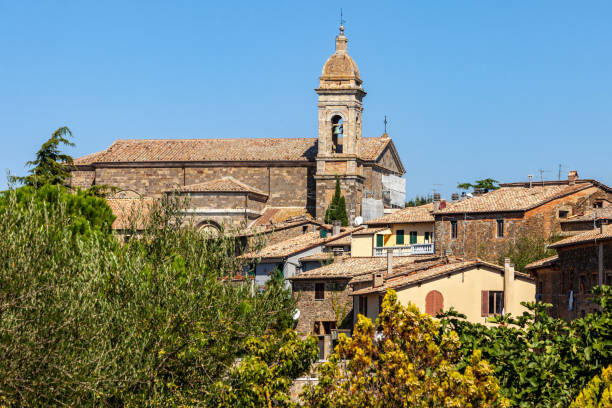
(542, 175)
(386, 123)
(560, 168)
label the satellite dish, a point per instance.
(296, 315)
(358, 221)
(470, 195)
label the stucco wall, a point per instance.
(362, 245)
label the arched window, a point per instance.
(337, 133)
(209, 227)
(434, 303)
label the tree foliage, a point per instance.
(485, 185)
(264, 376)
(418, 200)
(50, 166)
(526, 248)
(597, 393)
(336, 211)
(402, 365)
(86, 321)
(540, 361)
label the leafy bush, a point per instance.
(540, 361)
(88, 321)
(597, 393)
(402, 366)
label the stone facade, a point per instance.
(336, 300)
(477, 233)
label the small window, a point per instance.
(380, 241)
(319, 291)
(363, 305)
(399, 237)
(453, 229)
(304, 229)
(427, 238)
(598, 204)
(413, 237)
(492, 302)
(563, 213)
(500, 228)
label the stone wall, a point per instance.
(312, 310)
(82, 178)
(577, 270)
(350, 187)
(148, 181)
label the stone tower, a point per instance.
(340, 111)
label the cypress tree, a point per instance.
(337, 208)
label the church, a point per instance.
(232, 181)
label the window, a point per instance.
(563, 213)
(380, 241)
(363, 305)
(319, 291)
(434, 303)
(492, 302)
(598, 204)
(337, 133)
(413, 237)
(427, 238)
(500, 228)
(323, 233)
(453, 229)
(304, 229)
(399, 237)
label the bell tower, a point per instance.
(340, 113)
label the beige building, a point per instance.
(237, 181)
(475, 288)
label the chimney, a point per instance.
(335, 228)
(572, 177)
(389, 261)
(436, 201)
(455, 197)
(378, 279)
(508, 285)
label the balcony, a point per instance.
(410, 250)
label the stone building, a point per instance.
(566, 279)
(235, 181)
(485, 225)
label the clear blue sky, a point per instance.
(472, 89)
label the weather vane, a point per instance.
(342, 21)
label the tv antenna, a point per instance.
(561, 166)
(542, 171)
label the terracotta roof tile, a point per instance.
(275, 215)
(294, 245)
(586, 237)
(246, 149)
(350, 267)
(421, 213)
(599, 213)
(369, 231)
(222, 185)
(542, 262)
(341, 242)
(513, 198)
(322, 256)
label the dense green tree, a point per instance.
(336, 211)
(50, 166)
(418, 200)
(485, 185)
(157, 321)
(540, 361)
(526, 248)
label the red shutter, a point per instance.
(484, 307)
(434, 303)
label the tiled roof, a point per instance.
(350, 267)
(294, 245)
(369, 231)
(422, 213)
(322, 256)
(421, 274)
(275, 215)
(341, 242)
(586, 237)
(129, 211)
(198, 150)
(222, 185)
(599, 213)
(542, 262)
(514, 198)
(89, 159)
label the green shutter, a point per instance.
(379, 241)
(399, 237)
(323, 233)
(413, 237)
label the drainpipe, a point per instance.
(508, 285)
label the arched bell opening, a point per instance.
(337, 134)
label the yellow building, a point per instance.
(475, 288)
(409, 231)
